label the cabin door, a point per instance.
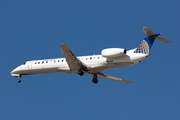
(30, 65)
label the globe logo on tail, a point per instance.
(142, 48)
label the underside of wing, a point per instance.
(73, 62)
(76, 65)
(102, 75)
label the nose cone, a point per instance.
(16, 70)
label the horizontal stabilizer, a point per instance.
(150, 33)
(162, 39)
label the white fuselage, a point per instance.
(95, 62)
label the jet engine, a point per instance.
(113, 52)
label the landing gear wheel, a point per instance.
(81, 73)
(95, 81)
(19, 81)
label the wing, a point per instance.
(73, 62)
(102, 75)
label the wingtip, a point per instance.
(169, 41)
(62, 44)
(144, 27)
(126, 81)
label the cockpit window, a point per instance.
(24, 63)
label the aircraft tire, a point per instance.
(19, 81)
(95, 81)
(81, 73)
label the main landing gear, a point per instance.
(19, 81)
(95, 80)
(80, 72)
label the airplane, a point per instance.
(93, 64)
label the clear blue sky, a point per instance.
(32, 30)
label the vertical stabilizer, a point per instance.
(145, 45)
(148, 41)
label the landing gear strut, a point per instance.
(95, 80)
(80, 72)
(19, 81)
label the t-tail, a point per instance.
(148, 41)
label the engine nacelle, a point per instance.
(113, 52)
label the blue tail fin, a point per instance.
(145, 45)
(148, 41)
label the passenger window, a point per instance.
(35, 62)
(38, 62)
(62, 60)
(86, 58)
(90, 57)
(42, 62)
(46, 61)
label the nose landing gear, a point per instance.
(19, 81)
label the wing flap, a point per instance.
(102, 75)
